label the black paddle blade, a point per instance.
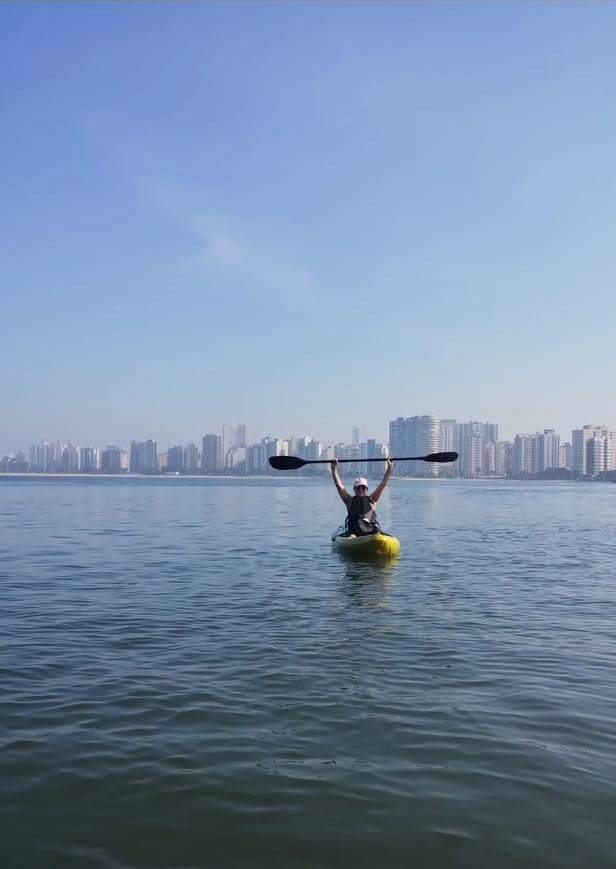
(441, 457)
(286, 463)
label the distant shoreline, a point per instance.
(61, 476)
(239, 477)
(236, 477)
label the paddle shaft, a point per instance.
(379, 459)
(292, 463)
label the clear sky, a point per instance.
(305, 217)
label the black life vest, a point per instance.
(361, 518)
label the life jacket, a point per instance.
(361, 518)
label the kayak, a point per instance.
(379, 545)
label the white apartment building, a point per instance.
(523, 449)
(564, 456)
(601, 454)
(232, 436)
(489, 460)
(414, 436)
(235, 458)
(471, 438)
(579, 442)
(503, 451)
(447, 436)
(547, 451)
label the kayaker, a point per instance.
(361, 516)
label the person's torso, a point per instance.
(361, 517)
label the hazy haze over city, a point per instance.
(305, 216)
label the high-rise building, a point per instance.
(299, 446)
(595, 456)
(272, 447)
(133, 464)
(448, 442)
(253, 459)
(175, 460)
(524, 455)
(601, 454)
(70, 459)
(111, 460)
(45, 457)
(14, 464)
(374, 450)
(547, 452)
(191, 459)
(399, 442)
(313, 449)
(474, 455)
(211, 450)
(89, 460)
(579, 453)
(147, 457)
(232, 436)
(509, 458)
(471, 438)
(489, 460)
(447, 436)
(228, 439)
(564, 456)
(236, 460)
(414, 436)
(502, 452)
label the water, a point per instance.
(186, 682)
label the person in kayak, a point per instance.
(361, 516)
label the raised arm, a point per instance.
(338, 482)
(374, 497)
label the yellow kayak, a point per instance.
(379, 545)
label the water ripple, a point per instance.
(175, 698)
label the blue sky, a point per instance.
(305, 217)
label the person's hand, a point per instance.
(333, 463)
(390, 463)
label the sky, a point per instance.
(306, 217)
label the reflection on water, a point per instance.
(368, 584)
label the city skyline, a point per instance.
(591, 452)
(381, 206)
(354, 435)
(10, 445)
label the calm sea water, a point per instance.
(190, 677)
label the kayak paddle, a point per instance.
(291, 463)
